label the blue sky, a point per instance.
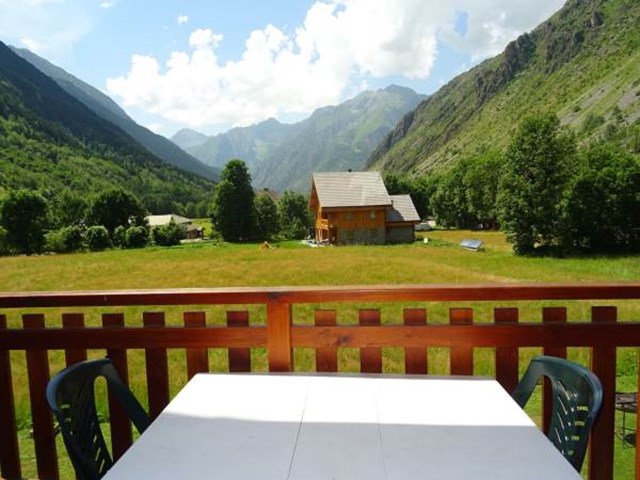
(211, 65)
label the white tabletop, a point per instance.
(247, 426)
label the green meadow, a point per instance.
(208, 264)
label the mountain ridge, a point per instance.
(335, 137)
(582, 63)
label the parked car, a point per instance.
(422, 227)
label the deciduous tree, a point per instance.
(115, 207)
(23, 215)
(294, 215)
(601, 207)
(537, 167)
(266, 212)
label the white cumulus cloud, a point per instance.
(339, 45)
(47, 27)
(182, 19)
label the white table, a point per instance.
(248, 426)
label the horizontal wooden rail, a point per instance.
(134, 337)
(348, 336)
(357, 293)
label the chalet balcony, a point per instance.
(322, 224)
(160, 338)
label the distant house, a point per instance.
(355, 207)
(193, 231)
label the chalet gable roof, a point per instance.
(350, 189)
(402, 210)
(157, 220)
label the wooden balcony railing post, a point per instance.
(551, 315)
(197, 358)
(9, 452)
(370, 357)
(326, 357)
(603, 364)
(44, 435)
(239, 358)
(157, 368)
(506, 357)
(415, 358)
(461, 358)
(121, 435)
(74, 355)
(279, 349)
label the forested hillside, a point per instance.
(106, 108)
(50, 141)
(582, 64)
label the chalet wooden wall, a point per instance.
(355, 225)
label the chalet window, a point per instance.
(349, 216)
(372, 215)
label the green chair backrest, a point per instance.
(71, 397)
(577, 398)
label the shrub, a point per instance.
(119, 236)
(168, 235)
(53, 242)
(98, 238)
(4, 246)
(136, 237)
(65, 240)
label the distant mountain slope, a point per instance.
(103, 106)
(583, 64)
(186, 138)
(283, 156)
(49, 141)
(252, 144)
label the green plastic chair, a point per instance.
(71, 397)
(577, 397)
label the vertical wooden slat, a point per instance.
(279, 350)
(415, 358)
(239, 358)
(506, 357)
(43, 431)
(326, 357)
(370, 357)
(603, 364)
(9, 450)
(157, 368)
(74, 355)
(461, 358)
(555, 315)
(197, 358)
(121, 436)
(551, 315)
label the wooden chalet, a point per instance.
(355, 207)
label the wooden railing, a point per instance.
(26, 319)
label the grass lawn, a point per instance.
(289, 263)
(205, 264)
